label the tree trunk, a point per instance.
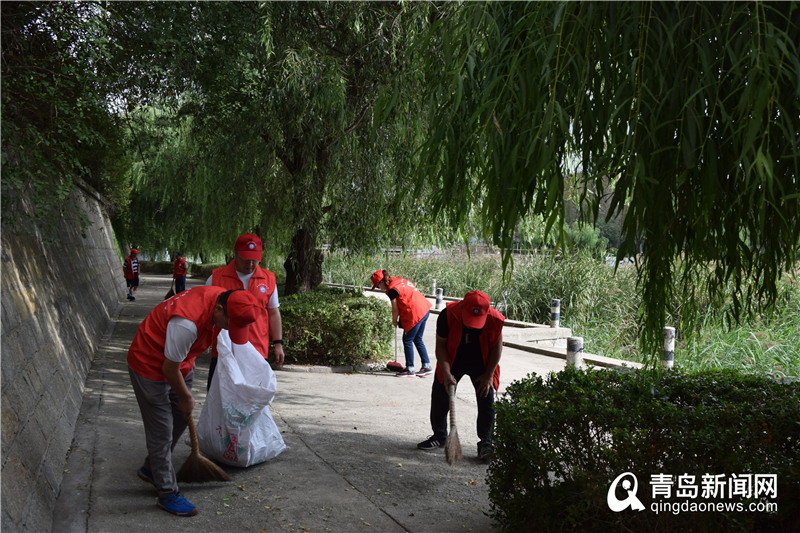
(304, 263)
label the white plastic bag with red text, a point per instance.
(236, 426)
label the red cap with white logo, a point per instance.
(475, 309)
(249, 247)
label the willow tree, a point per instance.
(55, 122)
(685, 112)
(279, 101)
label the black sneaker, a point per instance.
(424, 372)
(484, 451)
(432, 443)
(406, 373)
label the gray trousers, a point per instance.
(163, 427)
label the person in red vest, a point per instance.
(161, 367)
(181, 266)
(469, 342)
(410, 310)
(132, 273)
(244, 272)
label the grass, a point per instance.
(598, 305)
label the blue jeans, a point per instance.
(180, 284)
(413, 337)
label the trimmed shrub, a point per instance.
(560, 443)
(331, 327)
(205, 270)
(162, 267)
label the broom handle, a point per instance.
(395, 344)
(451, 389)
(193, 434)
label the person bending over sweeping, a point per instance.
(469, 341)
(161, 367)
(410, 309)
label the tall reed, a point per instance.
(598, 304)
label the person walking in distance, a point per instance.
(161, 367)
(181, 267)
(244, 272)
(469, 342)
(131, 269)
(410, 310)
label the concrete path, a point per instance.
(351, 463)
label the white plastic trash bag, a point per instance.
(236, 427)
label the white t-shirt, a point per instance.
(245, 278)
(181, 334)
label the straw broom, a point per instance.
(452, 447)
(198, 469)
(171, 293)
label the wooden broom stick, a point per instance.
(452, 448)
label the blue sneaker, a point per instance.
(177, 505)
(146, 475)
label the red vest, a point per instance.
(411, 303)
(146, 354)
(180, 268)
(262, 285)
(489, 335)
(131, 267)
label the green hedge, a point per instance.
(331, 327)
(163, 267)
(205, 270)
(560, 443)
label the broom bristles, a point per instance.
(452, 447)
(198, 469)
(169, 295)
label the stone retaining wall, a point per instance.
(56, 302)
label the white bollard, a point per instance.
(668, 353)
(439, 299)
(330, 276)
(575, 352)
(433, 287)
(555, 313)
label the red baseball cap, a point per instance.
(134, 251)
(242, 311)
(376, 278)
(475, 309)
(249, 247)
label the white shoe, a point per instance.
(188, 441)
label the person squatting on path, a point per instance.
(469, 341)
(244, 272)
(161, 367)
(181, 267)
(410, 310)
(131, 268)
